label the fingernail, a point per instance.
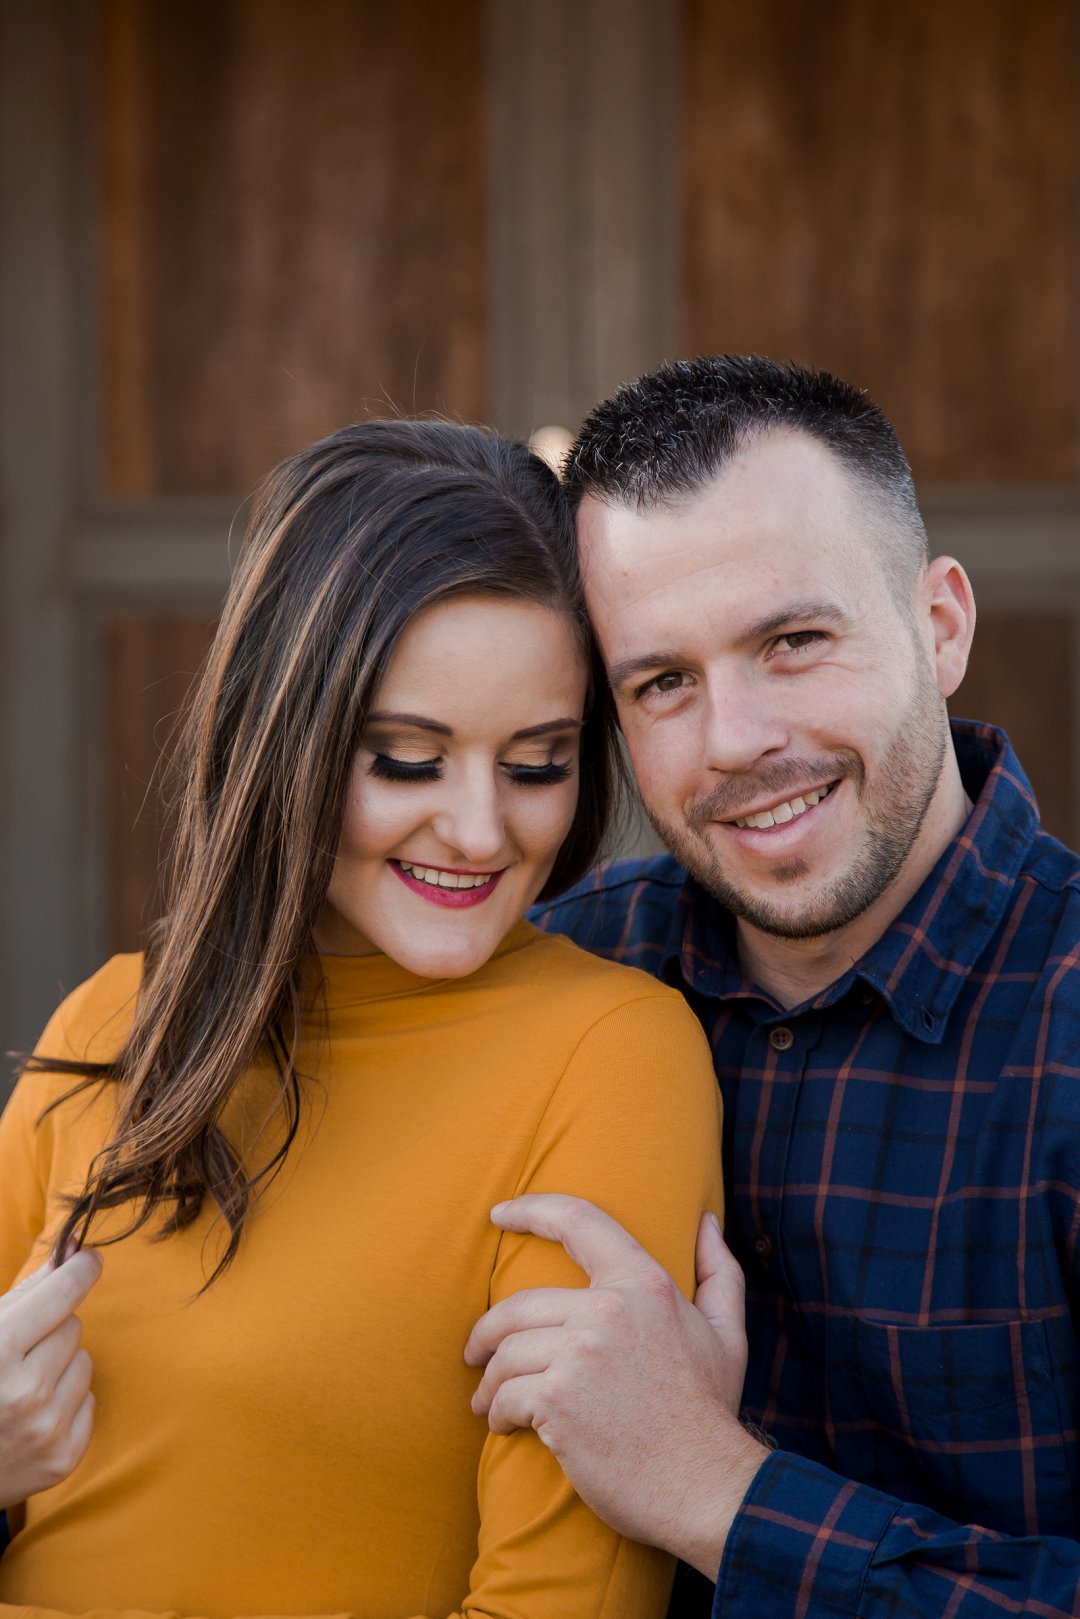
(716, 1222)
(497, 1209)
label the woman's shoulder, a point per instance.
(550, 964)
(91, 1024)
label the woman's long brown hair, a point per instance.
(349, 540)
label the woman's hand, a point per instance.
(46, 1407)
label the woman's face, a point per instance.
(463, 789)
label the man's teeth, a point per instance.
(785, 812)
(445, 879)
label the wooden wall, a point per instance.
(291, 226)
(891, 192)
(236, 224)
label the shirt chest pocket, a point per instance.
(964, 1419)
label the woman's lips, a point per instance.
(454, 898)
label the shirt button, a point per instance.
(781, 1039)
(763, 1246)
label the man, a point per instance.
(883, 950)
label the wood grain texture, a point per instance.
(292, 228)
(150, 662)
(1022, 677)
(891, 192)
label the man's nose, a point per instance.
(471, 821)
(743, 721)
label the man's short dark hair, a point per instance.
(672, 431)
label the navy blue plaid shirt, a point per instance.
(903, 1162)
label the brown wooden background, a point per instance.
(240, 223)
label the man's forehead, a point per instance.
(782, 486)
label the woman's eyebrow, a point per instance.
(546, 727)
(417, 720)
(421, 724)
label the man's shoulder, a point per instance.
(628, 910)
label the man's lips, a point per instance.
(782, 812)
(447, 886)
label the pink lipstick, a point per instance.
(455, 898)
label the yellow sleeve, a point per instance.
(23, 1177)
(634, 1126)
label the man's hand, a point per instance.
(46, 1407)
(633, 1388)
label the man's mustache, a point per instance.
(784, 779)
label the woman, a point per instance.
(343, 1046)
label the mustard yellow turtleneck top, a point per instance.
(297, 1440)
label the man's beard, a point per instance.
(894, 808)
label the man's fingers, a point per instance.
(517, 1405)
(721, 1289)
(595, 1241)
(522, 1355)
(28, 1316)
(536, 1307)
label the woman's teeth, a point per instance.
(445, 879)
(785, 812)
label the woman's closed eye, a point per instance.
(388, 768)
(545, 775)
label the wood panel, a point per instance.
(890, 191)
(150, 662)
(292, 227)
(1022, 677)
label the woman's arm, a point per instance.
(634, 1126)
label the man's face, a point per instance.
(779, 702)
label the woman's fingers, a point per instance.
(72, 1387)
(80, 1434)
(46, 1408)
(29, 1314)
(50, 1358)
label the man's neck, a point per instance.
(795, 970)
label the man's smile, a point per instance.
(779, 813)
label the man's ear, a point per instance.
(947, 600)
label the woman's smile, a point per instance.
(440, 886)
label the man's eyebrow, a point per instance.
(797, 612)
(378, 717)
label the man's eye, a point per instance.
(796, 640)
(670, 680)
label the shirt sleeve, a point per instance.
(634, 1127)
(806, 1542)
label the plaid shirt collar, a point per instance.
(918, 964)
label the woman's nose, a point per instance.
(471, 822)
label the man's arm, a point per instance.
(636, 1392)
